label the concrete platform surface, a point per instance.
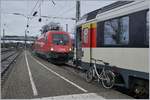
(35, 78)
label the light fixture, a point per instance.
(70, 49)
(52, 49)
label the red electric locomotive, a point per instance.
(55, 46)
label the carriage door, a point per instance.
(88, 41)
(79, 52)
(86, 44)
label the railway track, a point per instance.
(7, 58)
(5, 50)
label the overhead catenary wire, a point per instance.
(53, 2)
(53, 17)
(39, 8)
(66, 11)
(40, 11)
(39, 5)
(34, 7)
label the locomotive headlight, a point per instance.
(52, 49)
(70, 49)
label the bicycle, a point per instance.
(107, 77)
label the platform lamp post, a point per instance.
(26, 35)
(4, 35)
(28, 18)
(19, 14)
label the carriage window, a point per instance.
(116, 31)
(110, 32)
(85, 35)
(147, 28)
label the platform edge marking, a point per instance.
(84, 90)
(35, 93)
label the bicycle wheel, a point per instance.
(108, 80)
(89, 75)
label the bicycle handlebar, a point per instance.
(105, 63)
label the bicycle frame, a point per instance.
(102, 74)
(106, 76)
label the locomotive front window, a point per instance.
(60, 39)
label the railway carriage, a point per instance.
(118, 34)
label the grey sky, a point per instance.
(15, 25)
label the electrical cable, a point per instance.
(53, 2)
(40, 12)
(34, 7)
(68, 10)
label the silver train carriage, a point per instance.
(118, 34)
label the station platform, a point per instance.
(34, 78)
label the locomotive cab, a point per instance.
(61, 47)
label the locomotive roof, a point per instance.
(56, 31)
(93, 14)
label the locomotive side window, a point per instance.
(116, 31)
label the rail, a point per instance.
(5, 49)
(7, 59)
